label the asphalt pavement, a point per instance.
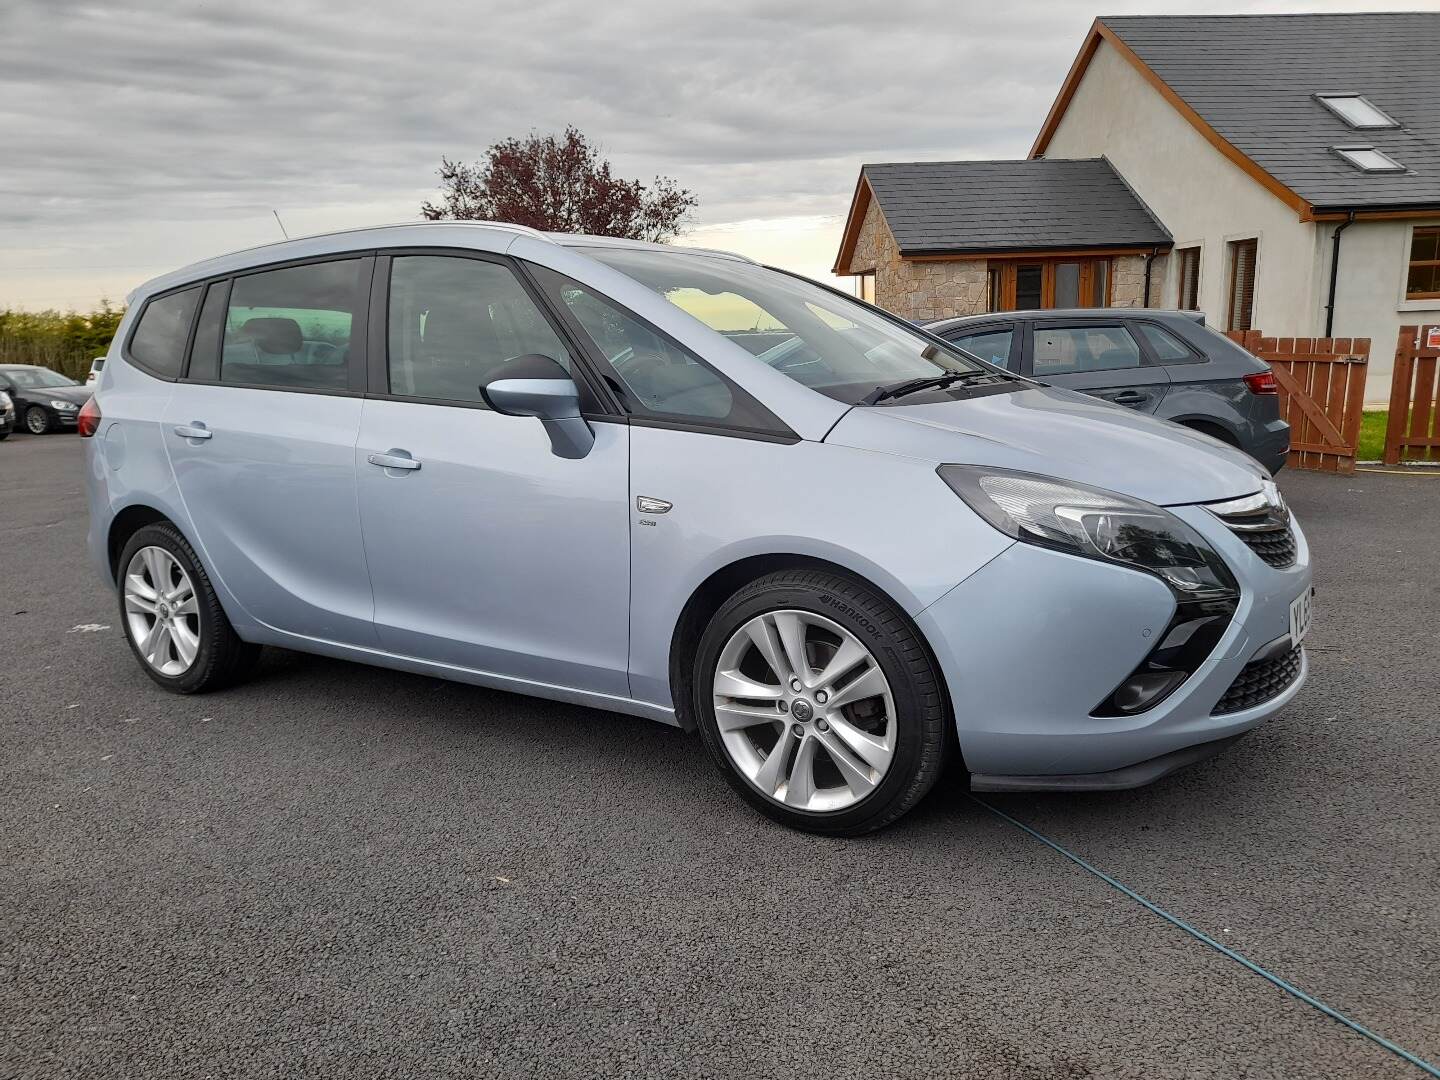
(335, 870)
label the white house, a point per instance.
(1295, 159)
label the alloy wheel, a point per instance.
(803, 710)
(36, 421)
(161, 611)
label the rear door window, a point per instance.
(294, 328)
(1064, 350)
(158, 343)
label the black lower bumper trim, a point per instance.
(1131, 776)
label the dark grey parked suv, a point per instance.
(1166, 363)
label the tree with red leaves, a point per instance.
(558, 185)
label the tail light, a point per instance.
(1262, 382)
(88, 422)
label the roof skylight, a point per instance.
(1368, 159)
(1355, 111)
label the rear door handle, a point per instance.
(1129, 397)
(394, 459)
(194, 430)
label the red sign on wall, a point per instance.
(1432, 337)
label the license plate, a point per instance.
(1300, 609)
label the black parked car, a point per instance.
(1166, 363)
(7, 415)
(44, 400)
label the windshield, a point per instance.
(826, 341)
(34, 378)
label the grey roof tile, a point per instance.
(1253, 79)
(936, 207)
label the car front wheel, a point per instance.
(819, 703)
(172, 617)
(37, 420)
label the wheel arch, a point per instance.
(126, 524)
(1209, 425)
(711, 593)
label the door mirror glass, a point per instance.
(536, 385)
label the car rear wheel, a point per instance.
(172, 617)
(37, 420)
(819, 703)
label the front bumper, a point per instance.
(1033, 641)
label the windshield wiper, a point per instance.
(929, 382)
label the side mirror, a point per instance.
(536, 385)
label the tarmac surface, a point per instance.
(335, 870)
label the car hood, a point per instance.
(78, 394)
(1060, 433)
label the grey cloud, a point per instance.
(179, 113)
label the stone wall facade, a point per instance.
(916, 290)
(943, 288)
(1127, 281)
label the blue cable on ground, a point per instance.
(1295, 991)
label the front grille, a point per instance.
(1259, 681)
(1263, 522)
(1276, 547)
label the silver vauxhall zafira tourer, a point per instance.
(675, 483)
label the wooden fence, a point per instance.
(1322, 394)
(1413, 429)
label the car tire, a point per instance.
(4, 435)
(199, 650)
(875, 717)
(37, 421)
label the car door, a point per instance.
(1098, 358)
(995, 342)
(261, 435)
(487, 550)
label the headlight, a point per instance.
(4, 401)
(64, 406)
(1095, 524)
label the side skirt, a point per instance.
(263, 634)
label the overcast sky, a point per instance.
(136, 138)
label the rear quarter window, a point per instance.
(1168, 349)
(158, 343)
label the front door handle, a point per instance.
(395, 459)
(194, 430)
(1129, 397)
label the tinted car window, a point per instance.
(205, 353)
(456, 322)
(1060, 350)
(291, 328)
(158, 343)
(992, 345)
(1165, 345)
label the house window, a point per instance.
(1355, 111)
(865, 287)
(1187, 260)
(1051, 283)
(1423, 280)
(1243, 255)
